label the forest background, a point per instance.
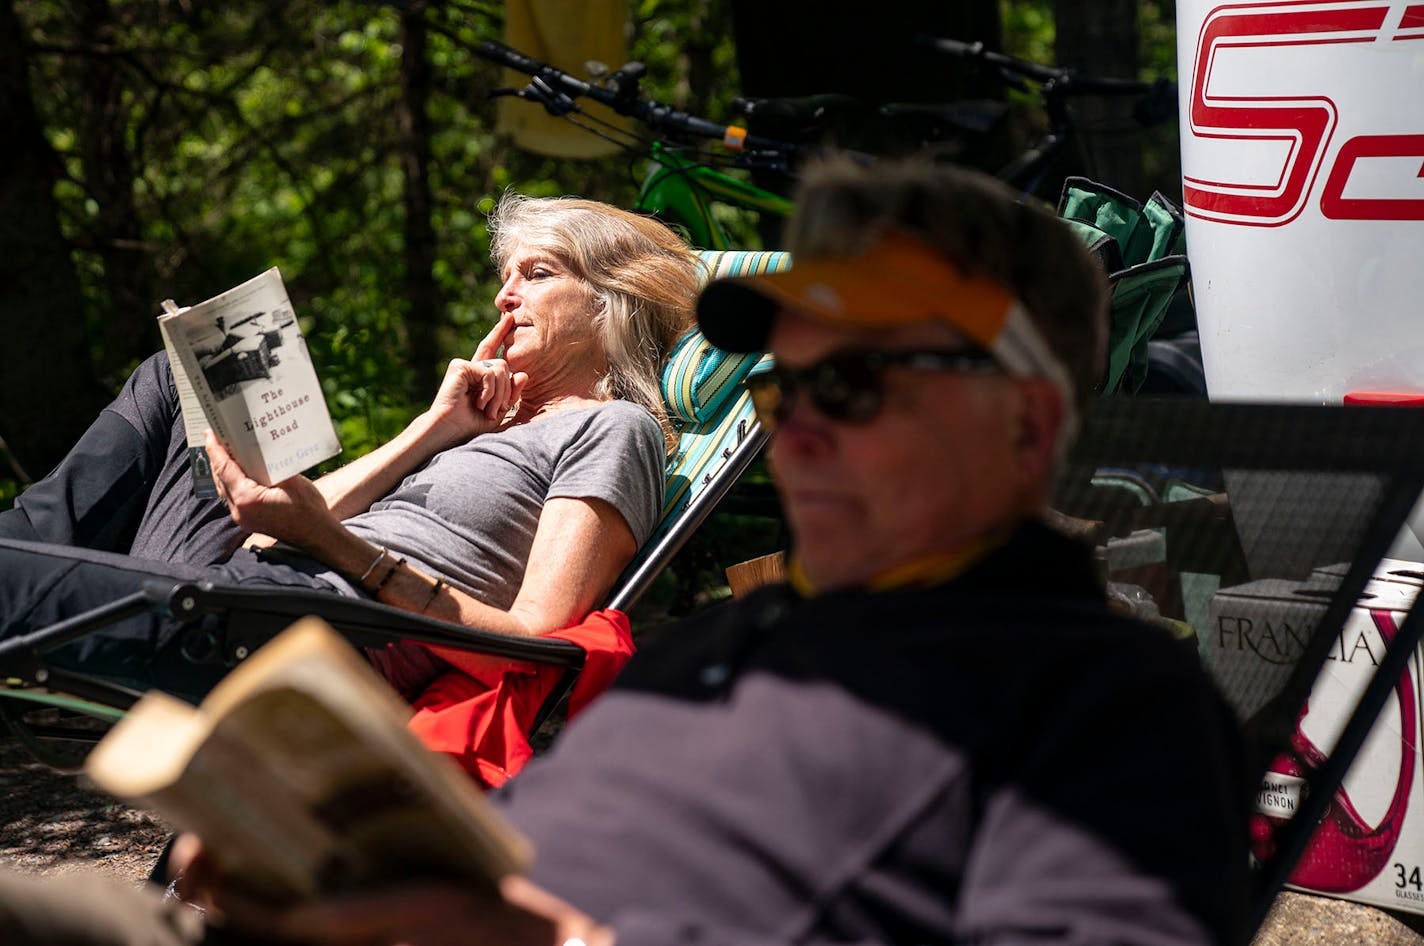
(174, 148)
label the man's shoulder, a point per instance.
(997, 622)
(712, 635)
(956, 617)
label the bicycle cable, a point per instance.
(560, 90)
(639, 146)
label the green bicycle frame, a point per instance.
(682, 191)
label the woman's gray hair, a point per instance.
(644, 278)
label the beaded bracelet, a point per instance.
(395, 567)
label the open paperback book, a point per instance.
(242, 368)
(300, 776)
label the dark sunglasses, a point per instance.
(849, 386)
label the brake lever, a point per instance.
(625, 82)
(555, 103)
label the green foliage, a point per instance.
(1028, 29)
(1029, 32)
(1157, 24)
(259, 133)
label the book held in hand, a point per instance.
(242, 369)
(300, 776)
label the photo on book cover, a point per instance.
(234, 353)
(243, 370)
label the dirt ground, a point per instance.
(52, 823)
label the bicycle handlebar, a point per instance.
(1064, 80)
(557, 90)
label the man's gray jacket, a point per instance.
(994, 759)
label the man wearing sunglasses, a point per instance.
(936, 732)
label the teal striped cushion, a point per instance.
(705, 397)
(699, 378)
(700, 454)
(722, 263)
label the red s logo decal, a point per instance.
(1304, 122)
(1335, 205)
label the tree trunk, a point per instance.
(703, 34)
(128, 329)
(47, 388)
(807, 47)
(1100, 37)
(421, 293)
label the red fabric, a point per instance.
(481, 712)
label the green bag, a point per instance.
(1143, 249)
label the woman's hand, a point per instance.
(476, 394)
(292, 511)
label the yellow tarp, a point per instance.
(566, 34)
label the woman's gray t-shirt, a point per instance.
(469, 514)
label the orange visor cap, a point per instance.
(898, 280)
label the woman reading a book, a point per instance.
(511, 504)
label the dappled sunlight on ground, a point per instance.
(52, 823)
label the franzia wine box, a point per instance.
(1370, 846)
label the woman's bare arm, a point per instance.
(580, 547)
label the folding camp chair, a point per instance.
(718, 437)
(1142, 248)
(702, 386)
(1267, 495)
